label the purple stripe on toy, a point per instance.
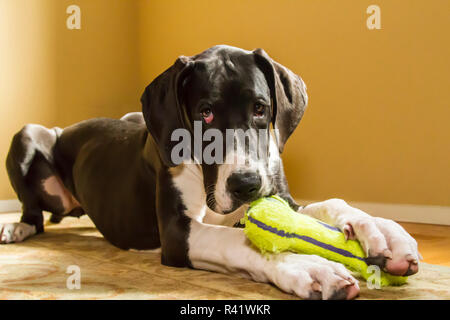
(284, 234)
(329, 227)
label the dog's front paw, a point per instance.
(15, 232)
(385, 242)
(312, 277)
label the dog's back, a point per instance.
(95, 167)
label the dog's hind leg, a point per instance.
(31, 170)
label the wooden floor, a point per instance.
(433, 240)
(37, 269)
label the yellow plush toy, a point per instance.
(272, 226)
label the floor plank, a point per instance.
(433, 240)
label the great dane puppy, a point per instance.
(122, 174)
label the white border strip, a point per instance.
(399, 212)
(402, 212)
(13, 205)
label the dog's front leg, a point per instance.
(227, 250)
(187, 241)
(385, 242)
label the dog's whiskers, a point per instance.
(210, 200)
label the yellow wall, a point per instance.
(377, 124)
(27, 72)
(55, 76)
(97, 66)
(376, 128)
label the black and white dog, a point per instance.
(122, 174)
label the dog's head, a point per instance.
(228, 98)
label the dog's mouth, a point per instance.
(217, 208)
(228, 203)
(234, 208)
(236, 204)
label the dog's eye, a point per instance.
(207, 114)
(259, 110)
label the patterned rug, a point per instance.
(38, 269)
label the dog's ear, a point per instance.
(289, 98)
(161, 107)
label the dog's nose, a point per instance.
(244, 186)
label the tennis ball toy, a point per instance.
(272, 226)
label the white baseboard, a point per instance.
(12, 205)
(402, 212)
(399, 212)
